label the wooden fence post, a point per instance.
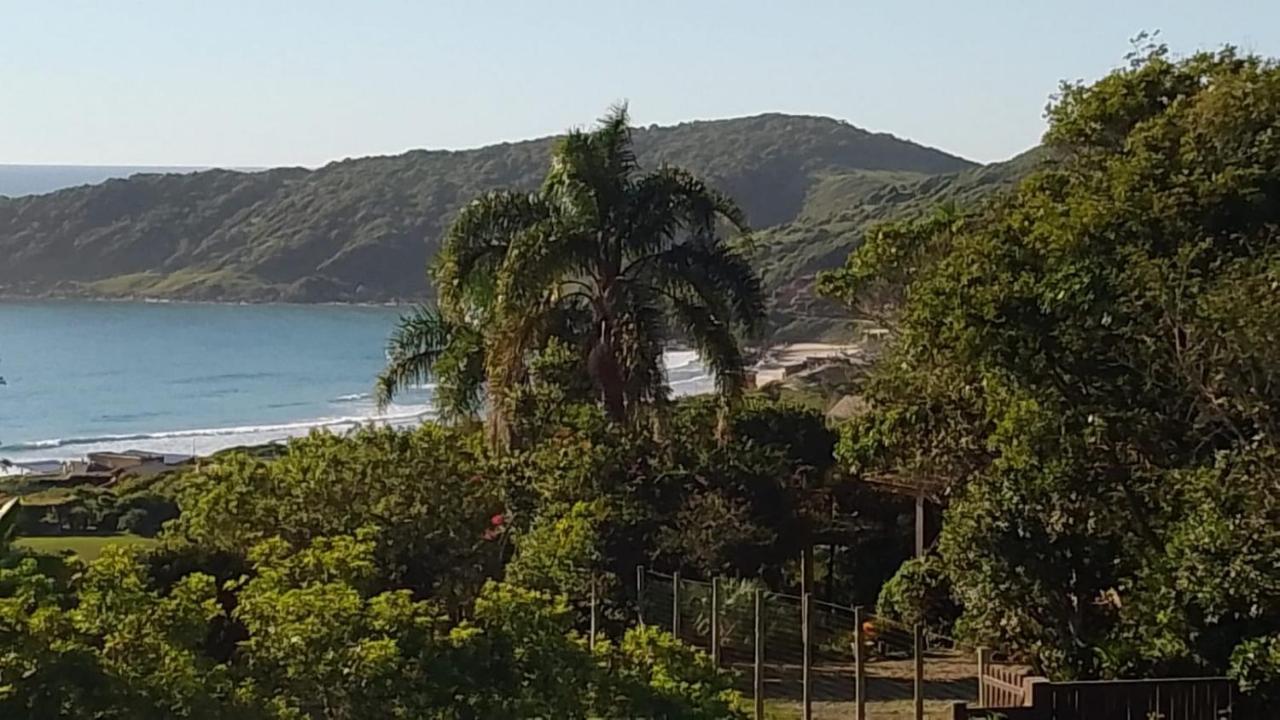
(640, 594)
(1038, 692)
(918, 643)
(715, 621)
(591, 642)
(983, 659)
(806, 636)
(759, 649)
(675, 603)
(859, 665)
(921, 512)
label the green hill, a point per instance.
(841, 208)
(365, 229)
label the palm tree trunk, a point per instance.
(607, 375)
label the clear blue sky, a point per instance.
(270, 82)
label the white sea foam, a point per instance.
(680, 359)
(207, 440)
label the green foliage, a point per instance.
(863, 209)
(919, 594)
(148, 502)
(747, 500)
(315, 635)
(1087, 369)
(422, 494)
(562, 554)
(319, 643)
(664, 678)
(603, 497)
(124, 651)
(1256, 664)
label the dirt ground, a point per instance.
(949, 678)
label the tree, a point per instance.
(1087, 366)
(423, 494)
(607, 258)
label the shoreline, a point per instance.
(6, 297)
(198, 432)
(774, 360)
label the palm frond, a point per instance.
(476, 244)
(716, 344)
(720, 277)
(612, 138)
(640, 334)
(671, 205)
(426, 346)
(8, 520)
(538, 262)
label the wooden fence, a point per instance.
(1001, 685)
(1161, 699)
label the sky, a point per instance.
(253, 83)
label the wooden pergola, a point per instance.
(922, 489)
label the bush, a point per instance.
(919, 593)
(145, 514)
(423, 493)
(662, 677)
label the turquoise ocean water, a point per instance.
(185, 377)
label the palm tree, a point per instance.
(611, 259)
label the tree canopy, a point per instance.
(1088, 367)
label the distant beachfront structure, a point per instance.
(99, 468)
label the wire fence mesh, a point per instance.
(904, 671)
(695, 613)
(784, 655)
(834, 687)
(655, 600)
(948, 671)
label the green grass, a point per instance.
(189, 282)
(86, 547)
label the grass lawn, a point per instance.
(87, 547)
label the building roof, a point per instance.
(849, 406)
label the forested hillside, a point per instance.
(841, 208)
(365, 229)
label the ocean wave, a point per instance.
(679, 359)
(366, 396)
(700, 379)
(398, 414)
(127, 417)
(224, 377)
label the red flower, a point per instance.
(497, 520)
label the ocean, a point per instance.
(195, 378)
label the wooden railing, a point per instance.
(1165, 699)
(1001, 685)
